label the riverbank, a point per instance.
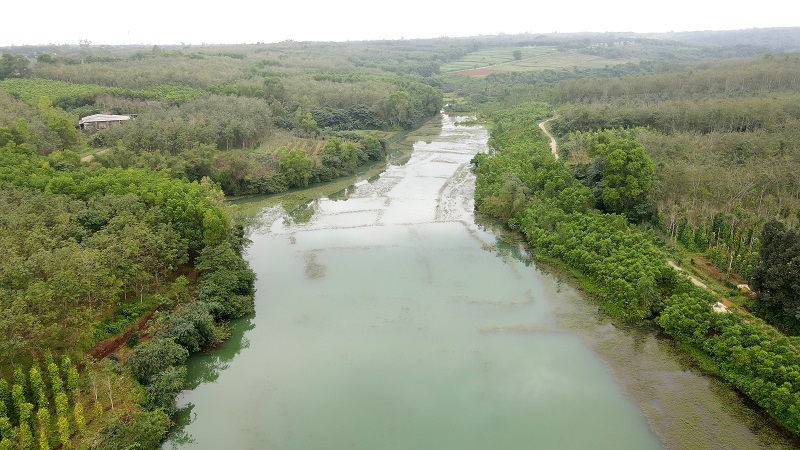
(626, 265)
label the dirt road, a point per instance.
(553, 144)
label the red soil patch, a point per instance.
(707, 267)
(478, 72)
(112, 344)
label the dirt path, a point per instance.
(89, 157)
(114, 343)
(553, 144)
(726, 304)
(694, 280)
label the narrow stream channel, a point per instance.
(388, 317)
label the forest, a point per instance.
(121, 256)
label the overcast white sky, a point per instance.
(240, 21)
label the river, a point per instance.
(388, 317)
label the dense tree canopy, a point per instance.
(13, 66)
(776, 276)
(621, 175)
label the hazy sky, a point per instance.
(239, 21)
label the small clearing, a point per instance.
(694, 280)
(478, 72)
(88, 158)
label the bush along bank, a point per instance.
(225, 289)
(521, 183)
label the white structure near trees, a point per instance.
(101, 121)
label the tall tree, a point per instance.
(14, 66)
(776, 277)
(625, 174)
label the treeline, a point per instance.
(624, 265)
(79, 98)
(288, 75)
(776, 275)
(675, 81)
(238, 115)
(759, 361)
(539, 196)
(80, 243)
(724, 139)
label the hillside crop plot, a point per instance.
(484, 62)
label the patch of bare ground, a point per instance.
(114, 343)
(478, 72)
(88, 158)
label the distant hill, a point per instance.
(769, 39)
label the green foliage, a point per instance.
(304, 122)
(64, 431)
(225, 283)
(522, 182)
(191, 326)
(776, 276)
(295, 166)
(214, 228)
(372, 147)
(6, 405)
(26, 414)
(72, 95)
(751, 356)
(98, 410)
(143, 428)
(38, 388)
(62, 123)
(723, 136)
(626, 265)
(151, 358)
(62, 403)
(43, 424)
(341, 158)
(70, 374)
(56, 384)
(26, 441)
(6, 429)
(132, 340)
(77, 242)
(160, 393)
(625, 175)
(80, 420)
(18, 398)
(21, 381)
(13, 66)
(356, 117)
(629, 270)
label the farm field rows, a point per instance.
(483, 62)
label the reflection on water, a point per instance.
(207, 367)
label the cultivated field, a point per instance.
(502, 59)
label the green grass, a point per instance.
(533, 58)
(31, 89)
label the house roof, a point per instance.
(103, 118)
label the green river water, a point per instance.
(388, 317)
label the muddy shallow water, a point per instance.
(388, 317)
